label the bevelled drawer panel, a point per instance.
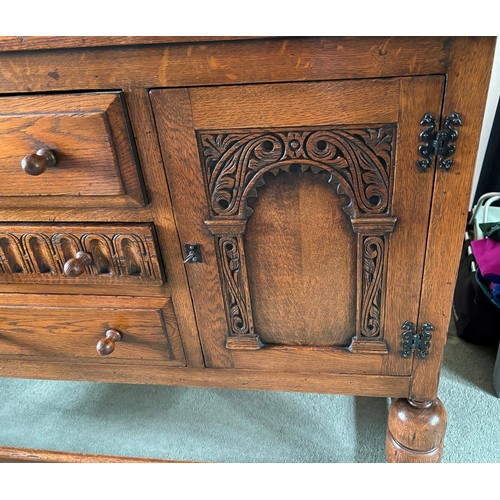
(93, 163)
(99, 329)
(80, 254)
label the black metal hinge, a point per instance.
(438, 143)
(416, 342)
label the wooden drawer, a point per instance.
(68, 328)
(119, 254)
(90, 137)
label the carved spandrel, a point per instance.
(359, 161)
(39, 257)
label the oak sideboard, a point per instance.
(239, 212)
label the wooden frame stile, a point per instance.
(408, 435)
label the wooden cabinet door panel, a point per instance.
(311, 215)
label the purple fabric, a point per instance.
(487, 255)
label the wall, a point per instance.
(489, 115)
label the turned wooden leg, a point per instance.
(415, 431)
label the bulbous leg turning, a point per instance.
(415, 431)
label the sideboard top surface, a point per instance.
(14, 43)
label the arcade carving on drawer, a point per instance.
(80, 254)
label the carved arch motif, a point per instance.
(38, 256)
(359, 161)
(41, 253)
(12, 259)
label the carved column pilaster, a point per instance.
(230, 250)
(372, 238)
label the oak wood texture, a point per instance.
(282, 253)
(88, 133)
(299, 247)
(412, 192)
(415, 432)
(12, 43)
(325, 383)
(224, 63)
(80, 254)
(64, 328)
(77, 265)
(466, 91)
(26, 455)
(179, 149)
(148, 149)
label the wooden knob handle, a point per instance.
(77, 265)
(107, 345)
(37, 163)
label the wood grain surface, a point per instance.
(325, 383)
(68, 328)
(273, 291)
(470, 69)
(12, 43)
(132, 113)
(223, 63)
(25, 455)
(301, 256)
(89, 136)
(143, 127)
(411, 204)
(415, 431)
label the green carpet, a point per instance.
(244, 426)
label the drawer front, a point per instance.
(116, 254)
(95, 163)
(68, 328)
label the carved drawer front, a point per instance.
(67, 150)
(94, 329)
(311, 215)
(79, 254)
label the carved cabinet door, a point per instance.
(311, 215)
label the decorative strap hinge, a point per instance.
(418, 343)
(440, 144)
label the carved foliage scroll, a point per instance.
(241, 334)
(373, 259)
(231, 269)
(357, 159)
(38, 256)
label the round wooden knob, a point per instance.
(77, 265)
(37, 163)
(107, 345)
